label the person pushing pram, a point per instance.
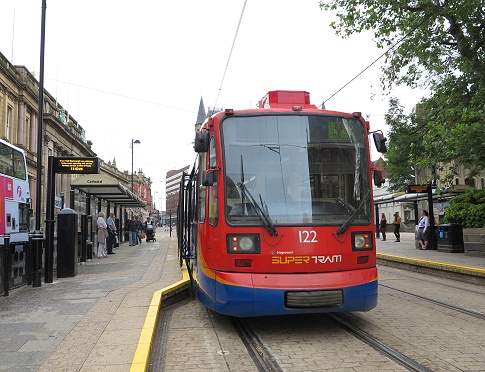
(150, 230)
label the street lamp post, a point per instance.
(133, 142)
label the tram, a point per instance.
(276, 215)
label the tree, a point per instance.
(433, 39)
(467, 209)
(404, 146)
(438, 44)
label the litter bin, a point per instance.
(450, 238)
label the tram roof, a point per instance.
(107, 188)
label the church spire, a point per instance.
(201, 115)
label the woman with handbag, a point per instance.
(423, 227)
(102, 235)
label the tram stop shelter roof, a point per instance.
(444, 194)
(106, 188)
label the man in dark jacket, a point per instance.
(131, 227)
(139, 229)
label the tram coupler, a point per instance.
(37, 240)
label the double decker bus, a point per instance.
(15, 194)
(277, 215)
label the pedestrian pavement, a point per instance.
(406, 249)
(90, 322)
(97, 320)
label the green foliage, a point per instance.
(438, 44)
(467, 209)
(403, 148)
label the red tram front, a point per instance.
(279, 213)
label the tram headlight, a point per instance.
(362, 241)
(243, 243)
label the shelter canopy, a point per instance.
(443, 194)
(106, 188)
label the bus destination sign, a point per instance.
(417, 189)
(73, 165)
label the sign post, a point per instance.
(69, 165)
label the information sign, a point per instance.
(417, 189)
(72, 165)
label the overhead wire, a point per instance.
(122, 96)
(230, 53)
(426, 19)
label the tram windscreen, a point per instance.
(298, 169)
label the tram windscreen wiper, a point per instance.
(354, 215)
(263, 217)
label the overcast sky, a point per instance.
(137, 70)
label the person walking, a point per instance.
(397, 226)
(112, 232)
(139, 229)
(383, 227)
(423, 228)
(102, 235)
(131, 227)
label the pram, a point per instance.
(150, 233)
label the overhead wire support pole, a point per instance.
(40, 119)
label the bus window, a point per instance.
(6, 160)
(18, 165)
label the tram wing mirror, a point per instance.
(379, 179)
(210, 177)
(201, 143)
(380, 142)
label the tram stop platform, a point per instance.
(103, 319)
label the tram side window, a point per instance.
(213, 211)
(201, 191)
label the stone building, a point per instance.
(62, 136)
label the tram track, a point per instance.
(262, 357)
(381, 347)
(462, 310)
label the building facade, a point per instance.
(61, 135)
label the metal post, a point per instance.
(431, 240)
(72, 195)
(89, 226)
(8, 265)
(84, 238)
(62, 200)
(40, 120)
(377, 221)
(170, 222)
(29, 265)
(37, 238)
(49, 223)
(132, 165)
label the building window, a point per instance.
(457, 181)
(470, 182)
(483, 183)
(9, 123)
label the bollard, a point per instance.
(29, 265)
(37, 239)
(8, 265)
